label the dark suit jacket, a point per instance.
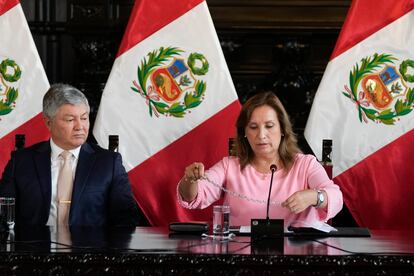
(101, 193)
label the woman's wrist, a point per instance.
(321, 199)
(185, 188)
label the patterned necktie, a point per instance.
(64, 188)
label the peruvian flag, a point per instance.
(365, 105)
(23, 82)
(171, 100)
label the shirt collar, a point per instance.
(56, 150)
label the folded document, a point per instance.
(317, 226)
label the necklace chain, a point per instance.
(241, 196)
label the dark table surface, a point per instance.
(155, 251)
(160, 240)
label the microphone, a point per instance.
(267, 228)
(273, 168)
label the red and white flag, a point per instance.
(365, 105)
(171, 100)
(23, 82)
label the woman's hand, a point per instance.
(188, 185)
(195, 171)
(301, 200)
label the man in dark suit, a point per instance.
(99, 193)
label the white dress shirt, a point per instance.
(56, 163)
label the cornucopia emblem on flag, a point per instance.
(169, 83)
(382, 93)
(10, 73)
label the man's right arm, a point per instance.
(7, 188)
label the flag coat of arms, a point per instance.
(171, 100)
(365, 104)
(23, 82)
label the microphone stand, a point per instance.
(273, 169)
(267, 228)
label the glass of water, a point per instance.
(221, 220)
(7, 210)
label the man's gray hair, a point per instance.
(60, 94)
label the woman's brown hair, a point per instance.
(288, 147)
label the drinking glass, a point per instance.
(221, 220)
(7, 210)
